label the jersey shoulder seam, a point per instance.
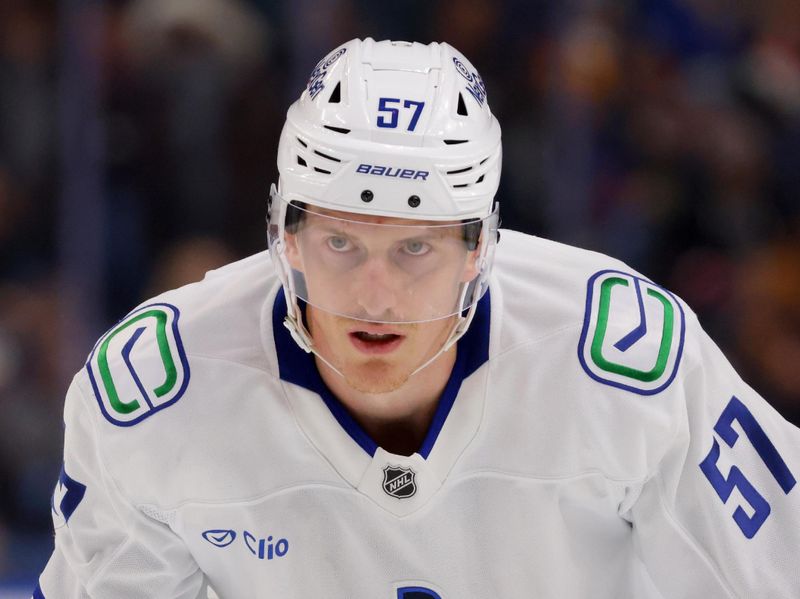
(554, 477)
(243, 500)
(690, 540)
(536, 340)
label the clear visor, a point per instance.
(381, 269)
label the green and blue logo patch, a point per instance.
(139, 367)
(633, 333)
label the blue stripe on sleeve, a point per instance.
(37, 593)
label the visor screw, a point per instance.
(414, 201)
(367, 195)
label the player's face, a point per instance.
(382, 292)
(380, 269)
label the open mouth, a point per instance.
(375, 337)
(375, 343)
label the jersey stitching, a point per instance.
(690, 540)
(229, 361)
(547, 478)
(108, 477)
(671, 518)
(537, 340)
(305, 435)
(99, 573)
(468, 443)
(346, 487)
(107, 480)
(255, 499)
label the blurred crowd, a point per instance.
(138, 142)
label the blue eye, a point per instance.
(415, 247)
(338, 243)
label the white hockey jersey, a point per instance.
(592, 443)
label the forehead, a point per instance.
(374, 219)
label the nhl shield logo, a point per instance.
(399, 482)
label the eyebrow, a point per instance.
(330, 228)
(428, 236)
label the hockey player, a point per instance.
(375, 411)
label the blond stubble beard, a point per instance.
(375, 376)
(378, 376)
(381, 377)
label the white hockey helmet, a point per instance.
(396, 131)
(402, 106)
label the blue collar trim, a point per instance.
(298, 367)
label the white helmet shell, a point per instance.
(395, 129)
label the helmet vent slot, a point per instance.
(301, 161)
(466, 177)
(452, 142)
(337, 129)
(336, 94)
(318, 153)
(302, 143)
(459, 171)
(462, 107)
(321, 170)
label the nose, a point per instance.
(376, 289)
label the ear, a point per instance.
(293, 252)
(471, 269)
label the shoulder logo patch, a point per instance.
(633, 333)
(139, 367)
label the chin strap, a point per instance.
(301, 336)
(459, 328)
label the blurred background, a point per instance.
(138, 141)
